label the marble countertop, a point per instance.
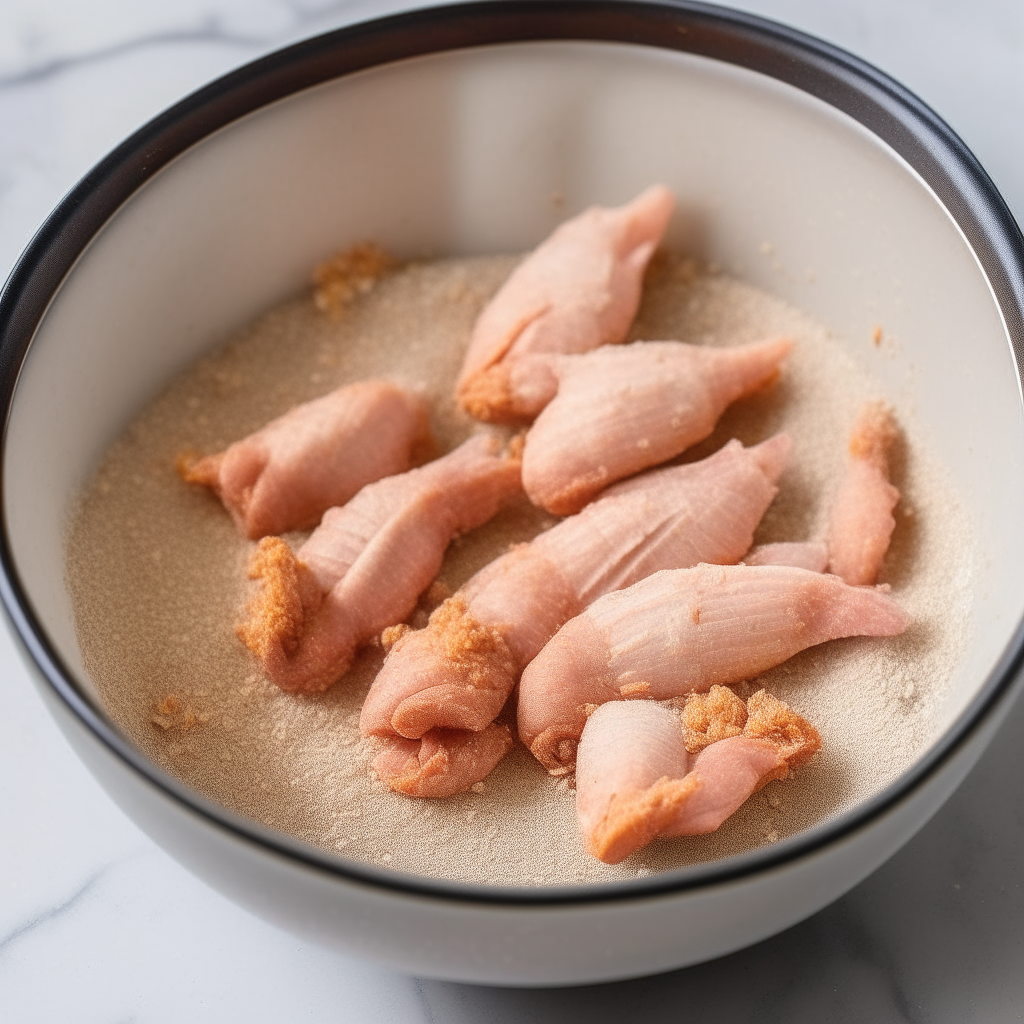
(97, 924)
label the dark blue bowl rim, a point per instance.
(845, 82)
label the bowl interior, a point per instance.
(480, 151)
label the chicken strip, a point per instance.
(457, 673)
(580, 288)
(862, 521)
(620, 410)
(317, 455)
(366, 564)
(638, 777)
(811, 555)
(443, 762)
(685, 630)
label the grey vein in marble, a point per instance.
(56, 911)
(57, 65)
(302, 16)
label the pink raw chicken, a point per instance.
(862, 521)
(459, 671)
(579, 289)
(620, 410)
(444, 762)
(811, 555)
(366, 564)
(642, 774)
(681, 631)
(317, 455)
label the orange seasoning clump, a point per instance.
(337, 281)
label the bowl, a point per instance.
(447, 131)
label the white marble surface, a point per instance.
(98, 925)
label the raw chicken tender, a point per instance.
(862, 521)
(620, 410)
(458, 672)
(317, 455)
(639, 777)
(578, 289)
(366, 564)
(685, 630)
(811, 555)
(443, 762)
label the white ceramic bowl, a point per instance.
(448, 131)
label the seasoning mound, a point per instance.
(158, 576)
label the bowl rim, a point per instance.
(843, 81)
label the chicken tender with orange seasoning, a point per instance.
(459, 671)
(364, 567)
(317, 455)
(862, 522)
(442, 762)
(578, 289)
(685, 630)
(641, 773)
(623, 409)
